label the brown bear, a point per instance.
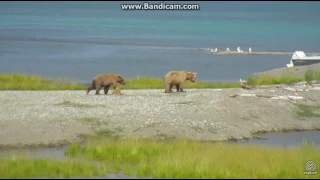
(178, 78)
(105, 80)
(116, 91)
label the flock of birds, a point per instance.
(238, 49)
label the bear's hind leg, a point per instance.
(170, 88)
(106, 89)
(178, 87)
(98, 89)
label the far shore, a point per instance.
(223, 52)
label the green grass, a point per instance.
(39, 168)
(270, 80)
(189, 159)
(177, 158)
(285, 79)
(17, 81)
(308, 110)
(311, 75)
(157, 83)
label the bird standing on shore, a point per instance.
(245, 85)
(239, 50)
(215, 50)
(250, 49)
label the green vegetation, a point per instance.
(16, 81)
(39, 168)
(269, 80)
(311, 75)
(308, 110)
(178, 158)
(36, 82)
(190, 159)
(157, 83)
(285, 79)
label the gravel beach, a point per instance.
(55, 117)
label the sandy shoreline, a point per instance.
(58, 117)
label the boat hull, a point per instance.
(303, 62)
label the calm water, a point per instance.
(287, 139)
(81, 39)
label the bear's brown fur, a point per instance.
(105, 80)
(116, 91)
(178, 78)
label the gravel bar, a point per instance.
(49, 117)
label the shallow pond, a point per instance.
(287, 139)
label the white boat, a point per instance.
(299, 58)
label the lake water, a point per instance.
(81, 39)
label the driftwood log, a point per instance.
(289, 98)
(245, 85)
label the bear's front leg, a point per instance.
(115, 84)
(167, 88)
(181, 86)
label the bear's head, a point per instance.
(121, 80)
(192, 76)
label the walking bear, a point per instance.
(178, 78)
(105, 80)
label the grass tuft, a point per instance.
(284, 79)
(39, 168)
(74, 104)
(308, 110)
(269, 80)
(310, 75)
(190, 159)
(18, 81)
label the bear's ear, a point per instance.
(189, 73)
(119, 77)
